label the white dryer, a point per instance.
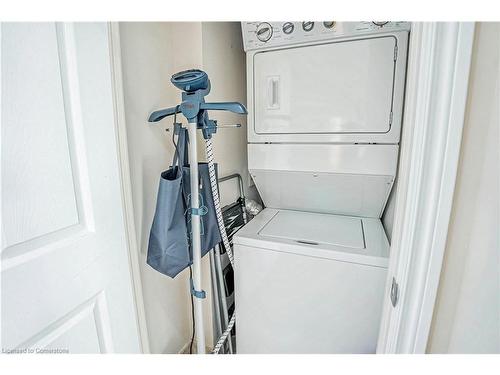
(325, 106)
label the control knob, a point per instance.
(308, 25)
(288, 27)
(264, 31)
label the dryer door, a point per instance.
(332, 89)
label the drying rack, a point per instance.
(235, 217)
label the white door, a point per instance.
(66, 283)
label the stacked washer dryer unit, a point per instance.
(325, 104)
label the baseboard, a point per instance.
(185, 348)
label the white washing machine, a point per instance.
(325, 104)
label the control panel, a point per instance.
(258, 35)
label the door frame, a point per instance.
(125, 181)
(436, 94)
(437, 85)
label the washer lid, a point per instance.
(349, 239)
(314, 229)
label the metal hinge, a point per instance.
(394, 292)
(390, 118)
(395, 52)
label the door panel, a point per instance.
(66, 281)
(38, 145)
(341, 87)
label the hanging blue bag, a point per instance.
(169, 250)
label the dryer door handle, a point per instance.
(273, 92)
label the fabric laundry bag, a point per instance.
(169, 250)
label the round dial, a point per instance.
(380, 23)
(308, 25)
(264, 32)
(329, 24)
(288, 27)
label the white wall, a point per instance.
(224, 61)
(223, 58)
(467, 313)
(151, 53)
